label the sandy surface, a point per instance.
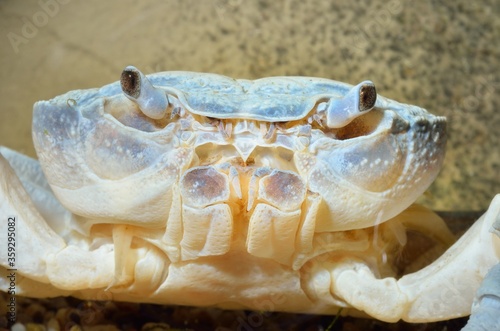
(443, 57)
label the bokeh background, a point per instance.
(440, 55)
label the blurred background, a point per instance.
(443, 56)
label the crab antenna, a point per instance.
(152, 101)
(360, 99)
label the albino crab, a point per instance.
(287, 194)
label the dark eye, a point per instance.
(152, 101)
(130, 81)
(367, 97)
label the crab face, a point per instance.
(285, 193)
(368, 158)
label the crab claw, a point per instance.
(50, 234)
(360, 99)
(152, 101)
(442, 290)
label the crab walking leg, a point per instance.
(33, 239)
(28, 170)
(486, 307)
(442, 290)
(446, 288)
(41, 254)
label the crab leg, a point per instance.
(486, 307)
(30, 232)
(442, 290)
(40, 253)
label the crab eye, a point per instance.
(130, 81)
(360, 99)
(152, 101)
(367, 96)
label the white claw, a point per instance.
(152, 101)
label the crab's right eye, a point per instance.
(359, 100)
(152, 101)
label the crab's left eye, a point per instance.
(367, 96)
(152, 101)
(130, 81)
(360, 99)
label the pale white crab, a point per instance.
(286, 193)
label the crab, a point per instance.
(290, 194)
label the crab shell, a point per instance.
(284, 193)
(98, 149)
